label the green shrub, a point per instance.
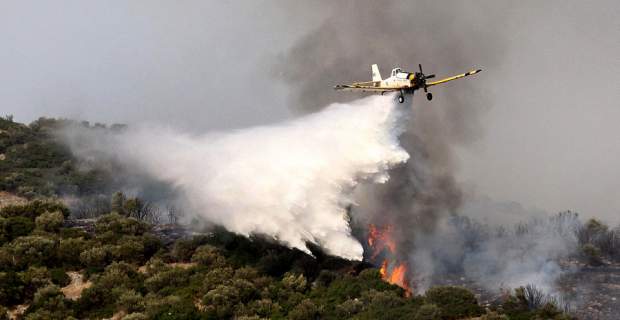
(170, 280)
(96, 257)
(4, 313)
(492, 315)
(12, 288)
(326, 277)
(129, 250)
(50, 221)
(49, 303)
(183, 250)
(455, 302)
(220, 301)
(216, 277)
(208, 255)
(120, 225)
(95, 302)
(349, 308)
(32, 250)
(264, 308)
(171, 308)
(306, 310)
(70, 250)
(428, 312)
(135, 316)
(130, 301)
(120, 275)
(33, 209)
(35, 278)
(295, 282)
(592, 254)
(14, 227)
(384, 304)
(59, 277)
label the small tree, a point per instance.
(455, 302)
(208, 255)
(306, 310)
(117, 202)
(428, 312)
(50, 221)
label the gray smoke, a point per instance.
(423, 202)
(445, 39)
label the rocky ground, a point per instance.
(596, 291)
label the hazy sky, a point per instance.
(550, 137)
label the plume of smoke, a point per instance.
(393, 33)
(422, 199)
(292, 181)
(497, 257)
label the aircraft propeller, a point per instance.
(423, 78)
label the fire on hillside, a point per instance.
(383, 253)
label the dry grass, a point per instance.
(74, 290)
(7, 199)
(18, 311)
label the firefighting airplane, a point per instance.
(401, 81)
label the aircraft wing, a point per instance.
(364, 87)
(458, 76)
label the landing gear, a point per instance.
(429, 96)
(401, 98)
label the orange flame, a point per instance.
(380, 239)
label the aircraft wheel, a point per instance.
(401, 99)
(429, 96)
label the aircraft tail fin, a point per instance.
(376, 76)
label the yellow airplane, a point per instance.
(401, 81)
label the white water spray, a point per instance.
(292, 180)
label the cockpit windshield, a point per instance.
(395, 71)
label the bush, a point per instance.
(531, 303)
(183, 250)
(492, 315)
(135, 316)
(130, 301)
(14, 227)
(297, 283)
(428, 312)
(208, 255)
(220, 301)
(49, 303)
(50, 221)
(70, 250)
(455, 302)
(129, 250)
(171, 308)
(12, 288)
(32, 250)
(349, 308)
(96, 257)
(119, 225)
(34, 209)
(35, 278)
(59, 277)
(120, 275)
(4, 313)
(592, 254)
(95, 302)
(306, 310)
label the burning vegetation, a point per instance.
(383, 248)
